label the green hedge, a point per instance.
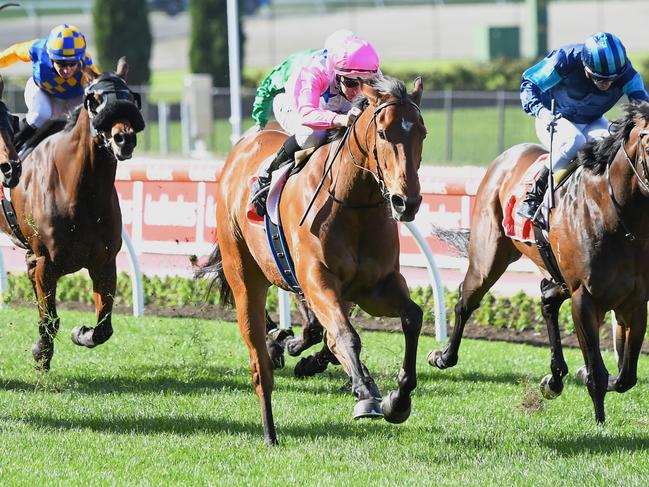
(519, 312)
(490, 76)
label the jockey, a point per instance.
(585, 80)
(61, 69)
(317, 98)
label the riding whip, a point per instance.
(552, 129)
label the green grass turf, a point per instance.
(169, 402)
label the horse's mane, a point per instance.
(386, 86)
(72, 117)
(595, 156)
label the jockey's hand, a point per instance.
(259, 128)
(345, 120)
(353, 115)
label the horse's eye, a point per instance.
(381, 134)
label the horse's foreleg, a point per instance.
(551, 299)
(323, 292)
(393, 299)
(488, 260)
(587, 319)
(104, 283)
(634, 331)
(43, 281)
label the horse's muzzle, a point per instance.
(404, 208)
(124, 143)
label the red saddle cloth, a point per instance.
(516, 226)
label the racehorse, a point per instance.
(598, 232)
(66, 207)
(346, 252)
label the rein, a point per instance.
(644, 182)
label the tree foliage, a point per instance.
(208, 52)
(122, 29)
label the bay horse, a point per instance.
(599, 234)
(67, 210)
(346, 252)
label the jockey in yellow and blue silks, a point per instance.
(585, 80)
(61, 68)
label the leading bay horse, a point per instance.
(347, 250)
(67, 211)
(599, 234)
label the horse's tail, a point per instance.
(213, 269)
(458, 239)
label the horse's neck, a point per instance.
(632, 204)
(352, 176)
(83, 166)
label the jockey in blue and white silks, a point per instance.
(586, 81)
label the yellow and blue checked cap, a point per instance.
(66, 43)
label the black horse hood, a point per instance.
(108, 99)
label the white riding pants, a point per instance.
(569, 138)
(42, 106)
(287, 116)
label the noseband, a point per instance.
(643, 182)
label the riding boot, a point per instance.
(259, 190)
(24, 134)
(534, 196)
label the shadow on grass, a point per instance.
(441, 376)
(186, 426)
(595, 443)
(184, 380)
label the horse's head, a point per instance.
(9, 162)
(114, 112)
(394, 134)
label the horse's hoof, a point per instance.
(309, 366)
(295, 346)
(82, 336)
(546, 390)
(436, 359)
(368, 408)
(582, 375)
(396, 410)
(42, 355)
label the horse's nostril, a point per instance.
(398, 202)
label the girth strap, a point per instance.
(12, 220)
(545, 250)
(279, 249)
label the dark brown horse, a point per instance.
(598, 233)
(346, 252)
(67, 208)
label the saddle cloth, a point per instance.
(522, 229)
(278, 180)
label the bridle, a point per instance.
(344, 142)
(378, 175)
(641, 158)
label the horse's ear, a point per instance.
(372, 95)
(122, 68)
(417, 92)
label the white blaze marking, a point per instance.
(407, 126)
